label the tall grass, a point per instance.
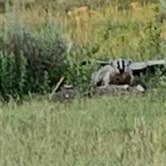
(102, 131)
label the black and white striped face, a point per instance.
(121, 64)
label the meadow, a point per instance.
(111, 131)
(41, 43)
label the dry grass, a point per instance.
(81, 26)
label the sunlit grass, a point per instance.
(84, 30)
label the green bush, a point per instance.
(80, 66)
(31, 61)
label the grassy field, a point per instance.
(103, 131)
(112, 131)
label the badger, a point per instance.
(117, 72)
(124, 74)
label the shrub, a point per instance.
(80, 66)
(31, 61)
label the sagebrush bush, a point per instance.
(31, 61)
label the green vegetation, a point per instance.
(103, 131)
(40, 43)
(30, 61)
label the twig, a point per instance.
(56, 87)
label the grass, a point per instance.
(103, 131)
(111, 131)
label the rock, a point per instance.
(140, 88)
(118, 90)
(68, 92)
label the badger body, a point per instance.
(118, 72)
(122, 79)
(103, 76)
